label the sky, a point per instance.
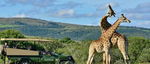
(81, 12)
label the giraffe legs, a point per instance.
(107, 55)
(109, 58)
(91, 55)
(122, 45)
(104, 58)
(126, 58)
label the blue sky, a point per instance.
(82, 12)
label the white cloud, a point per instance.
(113, 4)
(14, 2)
(63, 13)
(95, 23)
(138, 16)
(141, 8)
(20, 15)
(36, 3)
(70, 13)
(146, 23)
(140, 12)
(143, 24)
(41, 3)
(70, 5)
(89, 14)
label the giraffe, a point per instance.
(118, 40)
(103, 44)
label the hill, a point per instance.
(37, 27)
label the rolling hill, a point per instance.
(43, 28)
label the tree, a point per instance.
(66, 40)
(136, 46)
(52, 46)
(11, 33)
(144, 56)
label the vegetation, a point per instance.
(37, 27)
(138, 51)
(65, 34)
(11, 33)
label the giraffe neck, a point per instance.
(104, 25)
(112, 29)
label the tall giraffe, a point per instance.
(118, 40)
(103, 44)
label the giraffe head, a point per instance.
(124, 19)
(110, 12)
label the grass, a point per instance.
(1, 61)
(5, 26)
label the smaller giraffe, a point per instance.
(103, 44)
(117, 39)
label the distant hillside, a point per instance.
(37, 27)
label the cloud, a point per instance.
(21, 16)
(14, 2)
(63, 13)
(36, 3)
(94, 23)
(2, 5)
(41, 3)
(70, 4)
(141, 8)
(140, 12)
(37, 6)
(89, 15)
(143, 24)
(113, 4)
(71, 14)
(138, 16)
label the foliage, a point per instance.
(144, 56)
(66, 40)
(138, 51)
(52, 46)
(78, 50)
(1, 61)
(119, 62)
(37, 27)
(136, 46)
(11, 33)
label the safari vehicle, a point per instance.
(13, 55)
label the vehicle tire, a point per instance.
(62, 62)
(25, 62)
(70, 62)
(66, 62)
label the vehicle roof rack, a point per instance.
(23, 39)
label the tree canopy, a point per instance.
(11, 33)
